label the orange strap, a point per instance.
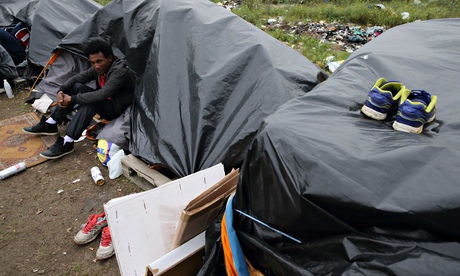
(50, 61)
(229, 266)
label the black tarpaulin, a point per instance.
(360, 197)
(207, 78)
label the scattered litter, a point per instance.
(69, 229)
(82, 137)
(42, 104)
(94, 261)
(76, 190)
(347, 36)
(333, 65)
(271, 21)
(64, 253)
(60, 191)
(229, 5)
(76, 180)
(39, 211)
(92, 249)
(404, 15)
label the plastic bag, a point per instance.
(114, 165)
(106, 150)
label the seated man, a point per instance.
(113, 95)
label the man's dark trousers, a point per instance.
(85, 113)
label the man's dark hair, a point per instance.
(96, 45)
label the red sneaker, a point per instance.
(105, 249)
(91, 229)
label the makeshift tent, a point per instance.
(325, 190)
(7, 67)
(207, 78)
(55, 19)
(8, 10)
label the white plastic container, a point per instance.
(19, 167)
(97, 176)
(8, 89)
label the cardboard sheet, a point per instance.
(143, 224)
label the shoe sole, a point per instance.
(57, 156)
(40, 133)
(86, 241)
(405, 128)
(410, 129)
(103, 257)
(371, 113)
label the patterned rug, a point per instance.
(17, 146)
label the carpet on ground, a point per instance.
(17, 146)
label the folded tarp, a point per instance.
(207, 78)
(345, 194)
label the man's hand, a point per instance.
(63, 99)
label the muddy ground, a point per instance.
(37, 223)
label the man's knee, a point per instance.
(81, 88)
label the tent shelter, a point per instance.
(349, 194)
(8, 10)
(55, 19)
(206, 78)
(7, 67)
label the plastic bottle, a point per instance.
(19, 167)
(9, 91)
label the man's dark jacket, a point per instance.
(119, 86)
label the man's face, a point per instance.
(100, 63)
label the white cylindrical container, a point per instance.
(9, 91)
(19, 167)
(97, 176)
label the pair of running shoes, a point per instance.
(415, 108)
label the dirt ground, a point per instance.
(38, 223)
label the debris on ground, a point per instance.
(348, 36)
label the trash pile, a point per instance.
(229, 5)
(347, 36)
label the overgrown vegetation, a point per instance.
(361, 13)
(387, 14)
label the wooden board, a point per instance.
(143, 176)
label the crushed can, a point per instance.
(97, 176)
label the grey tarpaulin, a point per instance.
(118, 131)
(360, 197)
(8, 10)
(50, 21)
(7, 67)
(207, 78)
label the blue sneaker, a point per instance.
(415, 110)
(383, 97)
